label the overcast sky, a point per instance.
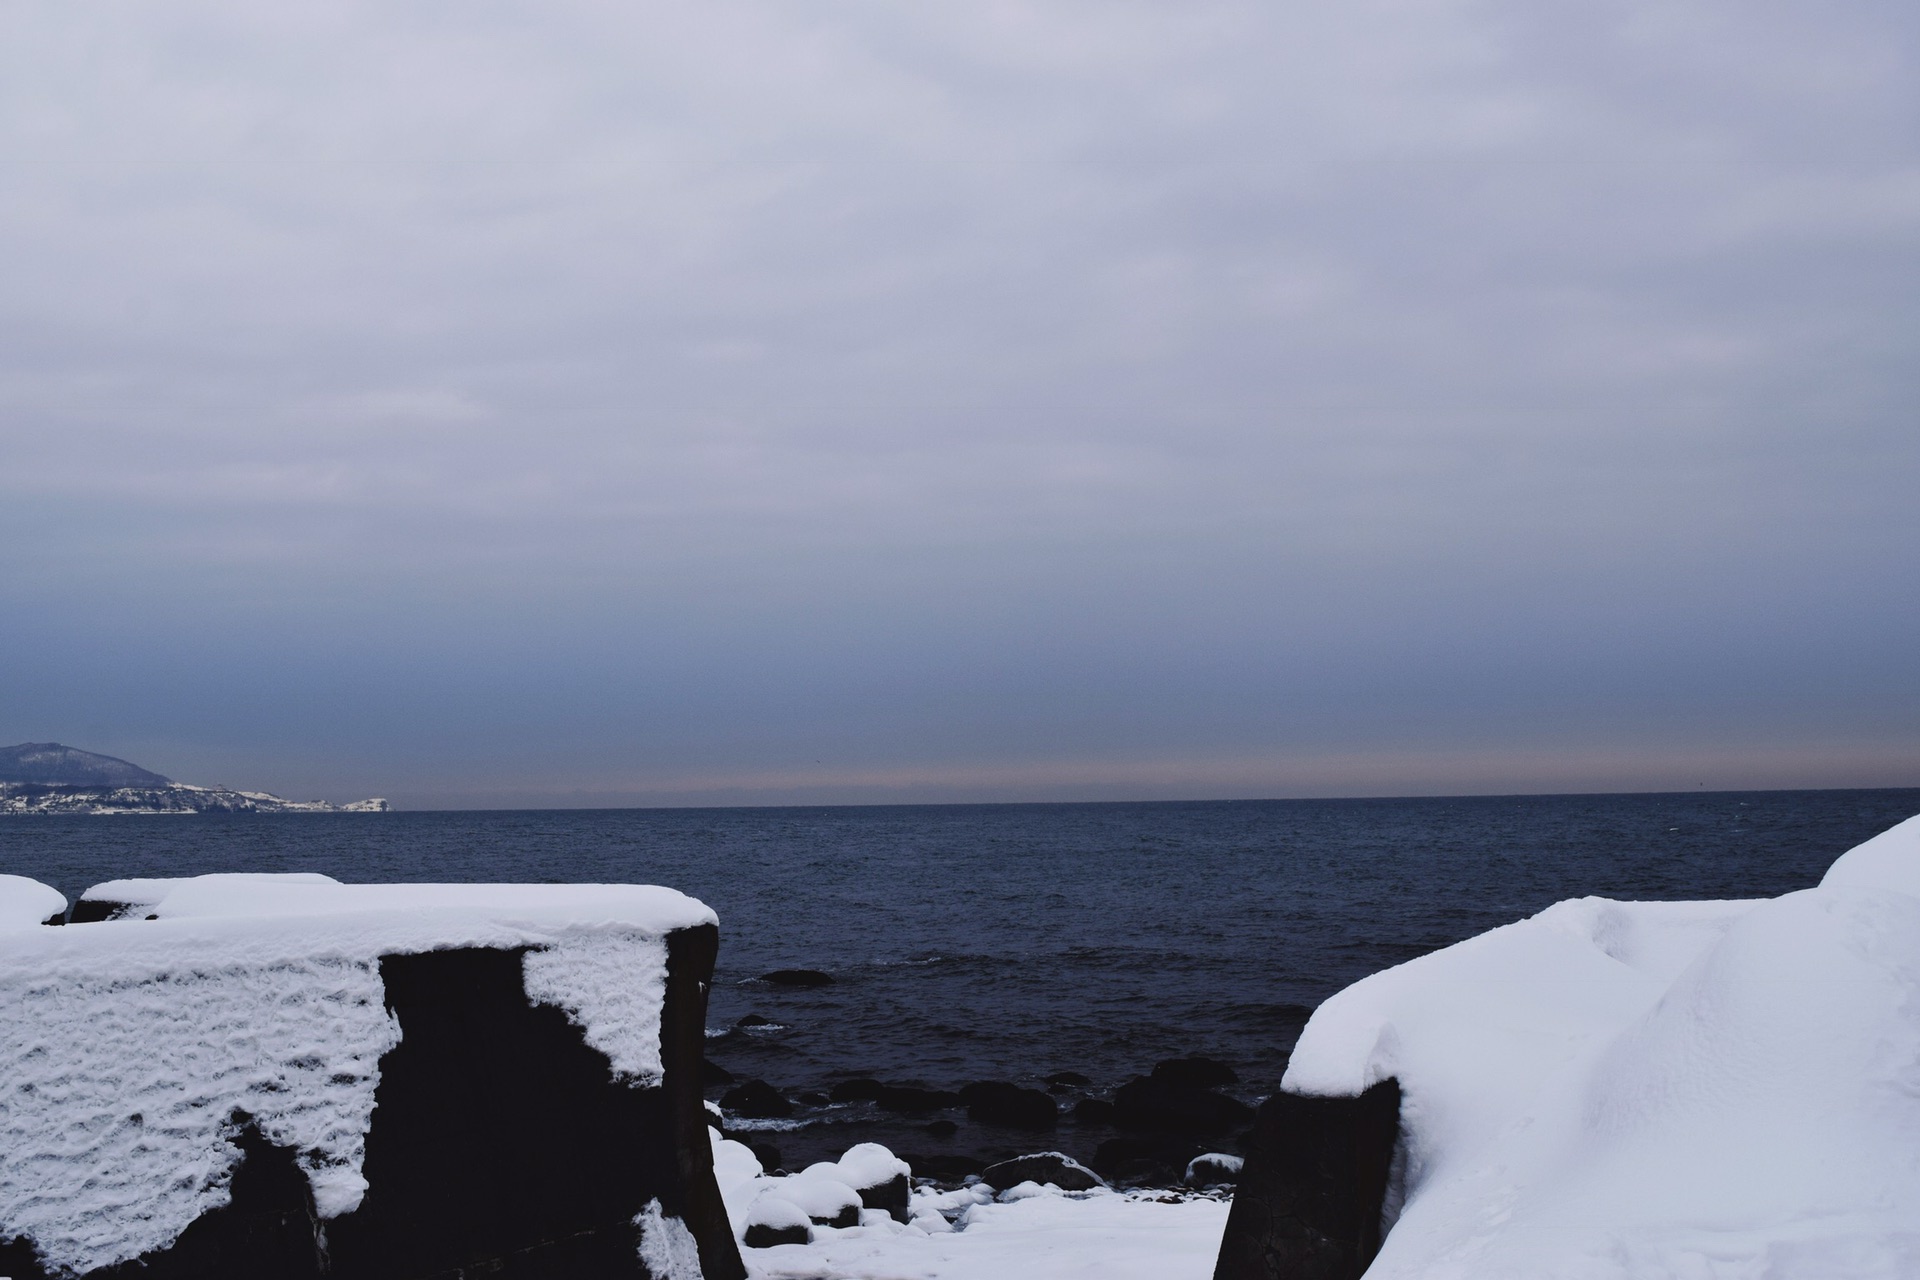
(742, 402)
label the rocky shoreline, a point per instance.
(1176, 1125)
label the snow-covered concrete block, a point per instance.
(288, 1076)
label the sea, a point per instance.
(1013, 942)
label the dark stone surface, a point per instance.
(1043, 1167)
(1093, 1111)
(1145, 1103)
(1001, 1103)
(501, 1144)
(1195, 1071)
(759, 1237)
(767, 1154)
(714, 1073)
(890, 1196)
(912, 1101)
(756, 1100)
(943, 1128)
(1069, 1078)
(798, 978)
(947, 1167)
(1154, 1159)
(860, 1090)
(1309, 1200)
(1210, 1170)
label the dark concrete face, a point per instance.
(1309, 1200)
(501, 1144)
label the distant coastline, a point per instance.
(51, 778)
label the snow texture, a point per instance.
(26, 904)
(1616, 1089)
(127, 1047)
(667, 1248)
(867, 1164)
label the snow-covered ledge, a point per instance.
(487, 1046)
(1616, 1089)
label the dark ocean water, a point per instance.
(1013, 941)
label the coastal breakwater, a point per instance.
(249, 1076)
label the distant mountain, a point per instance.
(46, 777)
(53, 765)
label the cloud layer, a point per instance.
(493, 403)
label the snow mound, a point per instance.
(129, 1046)
(27, 904)
(1616, 1089)
(1891, 860)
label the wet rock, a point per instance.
(1001, 1103)
(1196, 1072)
(860, 1090)
(756, 1100)
(1144, 1103)
(797, 978)
(811, 1099)
(1093, 1111)
(1150, 1159)
(755, 1020)
(906, 1100)
(767, 1154)
(714, 1073)
(942, 1128)
(1063, 1171)
(1073, 1078)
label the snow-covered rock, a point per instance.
(1614, 1089)
(136, 1051)
(26, 904)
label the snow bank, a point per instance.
(27, 904)
(1618, 1089)
(128, 1047)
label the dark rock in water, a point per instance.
(755, 1020)
(1069, 1077)
(811, 1099)
(1309, 1198)
(1091, 1111)
(767, 1154)
(764, 1237)
(1198, 1072)
(756, 1100)
(797, 978)
(906, 1100)
(860, 1090)
(1001, 1103)
(945, 1168)
(943, 1128)
(1149, 1104)
(1153, 1159)
(714, 1073)
(1062, 1171)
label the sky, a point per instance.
(742, 402)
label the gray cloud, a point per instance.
(738, 400)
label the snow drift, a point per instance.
(1615, 1089)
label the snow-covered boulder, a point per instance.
(27, 904)
(1613, 1089)
(280, 1075)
